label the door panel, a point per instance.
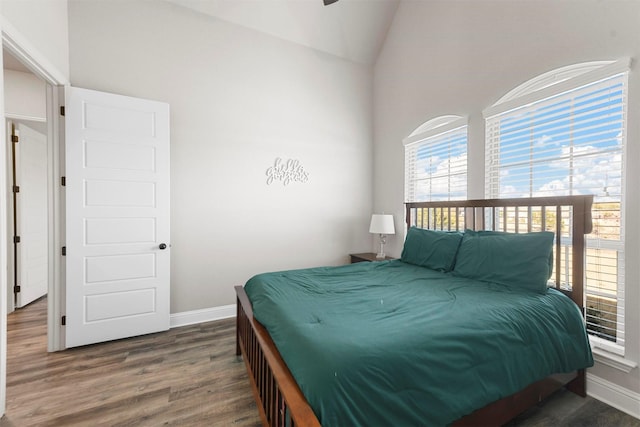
(119, 156)
(117, 200)
(102, 231)
(117, 193)
(110, 306)
(118, 268)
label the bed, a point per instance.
(410, 308)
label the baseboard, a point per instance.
(613, 395)
(204, 315)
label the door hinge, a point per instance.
(16, 239)
(16, 289)
(64, 251)
(63, 181)
(14, 138)
(63, 321)
(62, 110)
(16, 188)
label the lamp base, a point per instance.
(381, 254)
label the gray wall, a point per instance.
(239, 99)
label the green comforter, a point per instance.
(393, 344)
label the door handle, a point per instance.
(163, 246)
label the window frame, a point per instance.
(432, 130)
(557, 83)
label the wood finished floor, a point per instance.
(187, 376)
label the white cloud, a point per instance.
(594, 173)
(441, 182)
(544, 140)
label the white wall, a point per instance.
(239, 99)
(459, 57)
(24, 96)
(42, 25)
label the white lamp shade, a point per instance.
(382, 224)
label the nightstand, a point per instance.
(365, 257)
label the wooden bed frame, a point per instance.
(278, 397)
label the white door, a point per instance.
(117, 216)
(31, 214)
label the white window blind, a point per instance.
(436, 164)
(572, 142)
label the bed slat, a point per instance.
(280, 401)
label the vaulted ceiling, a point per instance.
(351, 29)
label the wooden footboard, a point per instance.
(279, 399)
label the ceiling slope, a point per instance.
(351, 29)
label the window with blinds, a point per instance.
(569, 138)
(436, 161)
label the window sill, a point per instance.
(613, 360)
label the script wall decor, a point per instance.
(286, 172)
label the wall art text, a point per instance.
(287, 172)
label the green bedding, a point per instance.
(394, 344)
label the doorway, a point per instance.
(18, 46)
(47, 121)
(27, 213)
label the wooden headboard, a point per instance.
(569, 217)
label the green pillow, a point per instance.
(430, 248)
(515, 259)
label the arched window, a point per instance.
(436, 160)
(564, 133)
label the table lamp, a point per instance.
(382, 224)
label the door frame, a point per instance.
(20, 47)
